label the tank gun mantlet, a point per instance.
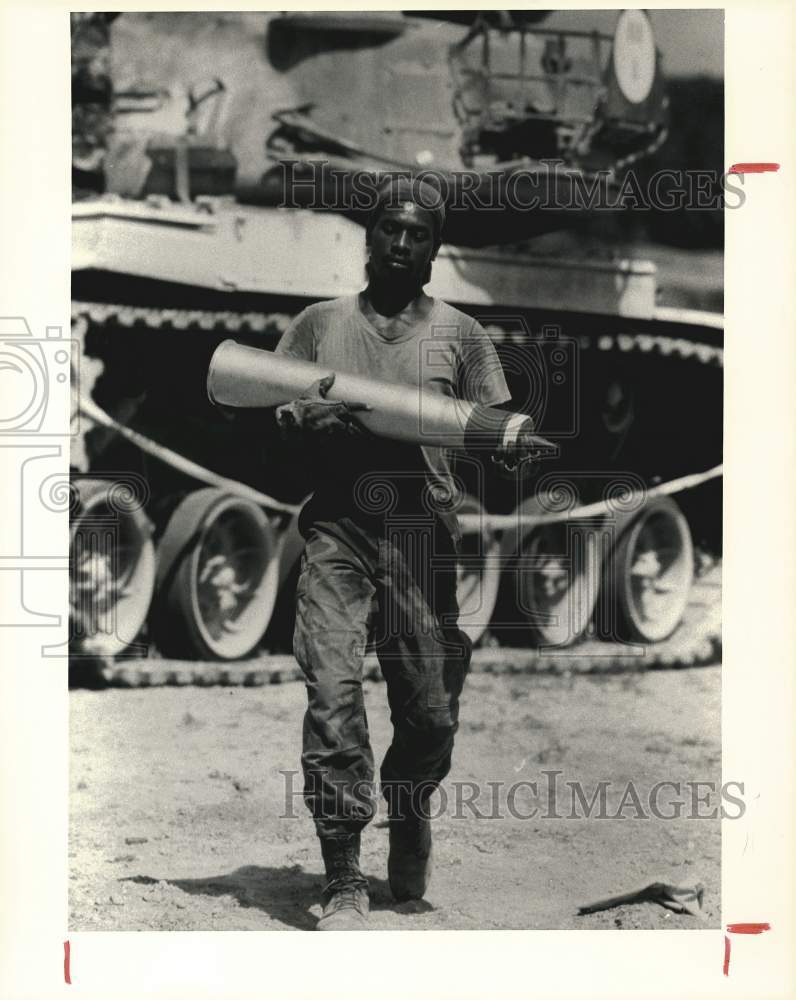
(373, 22)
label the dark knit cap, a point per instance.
(396, 191)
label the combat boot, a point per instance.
(411, 857)
(345, 897)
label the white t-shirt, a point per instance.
(446, 352)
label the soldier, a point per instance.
(365, 569)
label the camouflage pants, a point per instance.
(398, 590)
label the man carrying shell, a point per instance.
(379, 560)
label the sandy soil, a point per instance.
(176, 800)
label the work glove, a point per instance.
(313, 412)
(519, 455)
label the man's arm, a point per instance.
(480, 377)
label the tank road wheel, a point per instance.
(558, 582)
(218, 566)
(652, 569)
(478, 573)
(111, 568)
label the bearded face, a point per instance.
(401, 246)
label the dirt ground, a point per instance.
(176, 799)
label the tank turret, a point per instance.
(308, 109)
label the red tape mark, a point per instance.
(740, 929)
(67, 977)
(753, 168)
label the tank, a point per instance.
(210, 208)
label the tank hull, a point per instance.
(617, 385)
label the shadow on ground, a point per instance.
(285, 894)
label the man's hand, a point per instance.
(313, 412)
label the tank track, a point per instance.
(271, 326)
(697, 642)
(647, 343)
(275, 324)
